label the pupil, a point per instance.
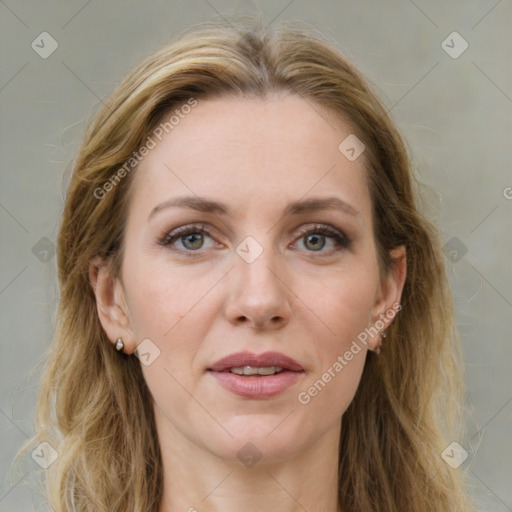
(315, 239)
(194, 238)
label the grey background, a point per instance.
(454, 112)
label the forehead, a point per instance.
(251, 151)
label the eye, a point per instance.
(192, 238)
(319, 236)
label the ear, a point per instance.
(111, 304)
(389, 293)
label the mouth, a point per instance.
(256, 376)
(249, 371)
(246, 363)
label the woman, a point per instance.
(241, 225)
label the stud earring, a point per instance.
(119, 344)
(382, 335)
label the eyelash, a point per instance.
(340, 238)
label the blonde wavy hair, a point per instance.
(94, 406)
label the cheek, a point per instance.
(160, 295)
(174, 308)
(342, 302)
(343, 305)
(331, 386)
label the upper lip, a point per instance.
(267, 359)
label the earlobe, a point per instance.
(110, 303)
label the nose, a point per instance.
(258, 294)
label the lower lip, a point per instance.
(257, 387)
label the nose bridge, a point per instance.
(260, 273)
(259, 294)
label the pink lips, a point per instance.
(256, 386)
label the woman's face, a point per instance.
(278, 260)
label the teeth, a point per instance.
(249, 370)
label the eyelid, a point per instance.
(318, 226)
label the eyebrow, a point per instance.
(204, 205)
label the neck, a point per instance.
(196, 479)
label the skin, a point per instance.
(255, 156)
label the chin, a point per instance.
(260, 438)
